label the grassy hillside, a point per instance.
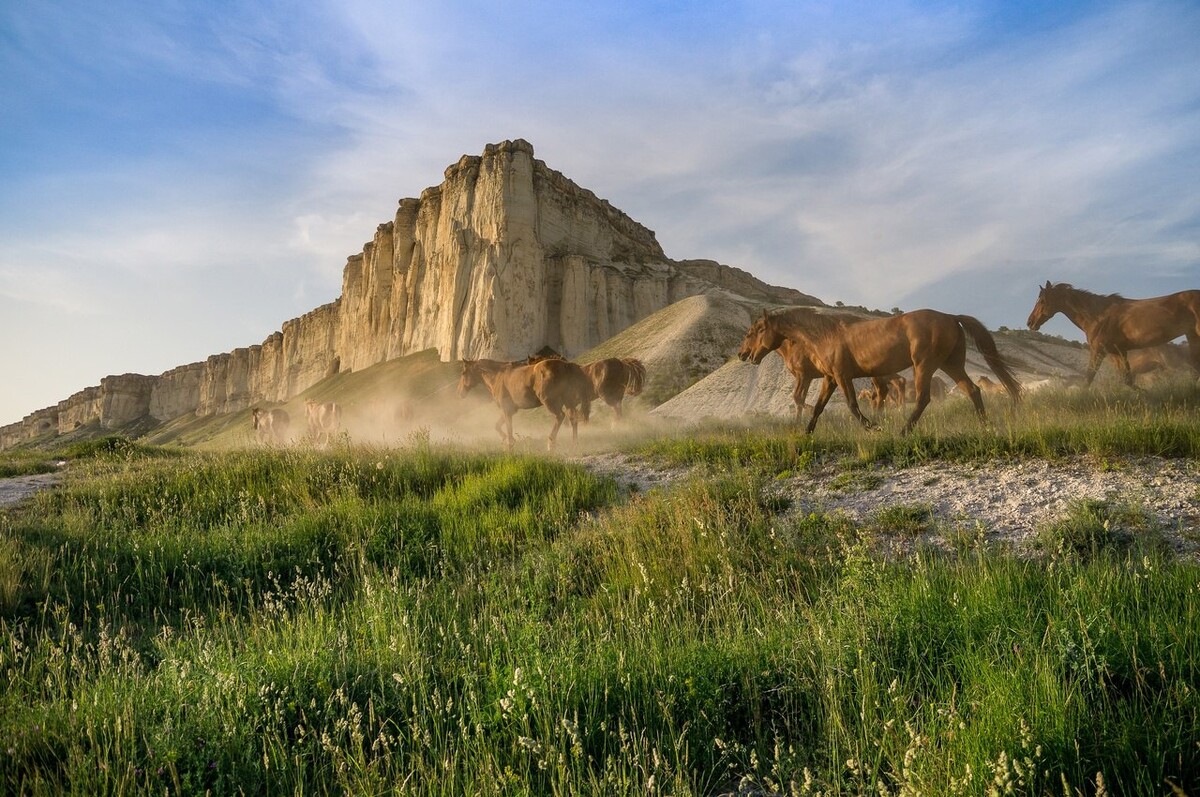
(423, 620)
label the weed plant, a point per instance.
(434, 622)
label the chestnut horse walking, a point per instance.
(927, 340)
(1115, 325)
(613, 379)
(560, 386)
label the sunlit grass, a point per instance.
(422, 621)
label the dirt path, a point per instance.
(17, 488)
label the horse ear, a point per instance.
(1047, 285)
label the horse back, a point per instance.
(1141, 323)
(518, 385)
(562, 382)
(608, 377)
(884, 346)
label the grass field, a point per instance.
(426, 620)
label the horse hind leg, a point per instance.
(559, 414)
(968, 388)
(921, 381)
(1193, 352)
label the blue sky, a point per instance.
(177, 179)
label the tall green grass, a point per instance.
(428, 622)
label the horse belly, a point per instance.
(1143, 327)
(878, 359)
(526, 398)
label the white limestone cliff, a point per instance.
(504, 257)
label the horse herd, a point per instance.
(564, 388)
(838, 348)
(274, 426)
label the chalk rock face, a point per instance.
(79, 409)
(504, 257)
(176, 392)
(123, 399)
(507, 256)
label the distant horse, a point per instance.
(271, 426)
(886, 390)
(560, 386)
(324, 420)
(988, 386)
(800, 365)
(1115, 325)
(612, 379)
(926, 340)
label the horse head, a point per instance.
(255, 415)
(469, 378)
(1046, 307)
(761, 339)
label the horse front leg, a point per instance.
(827, 388)
(1094, 360)
(799, 394)
(1121, 358)
(558, 419)
(847, 386)
(504, 428)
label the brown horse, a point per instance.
(1115, 325)
(613, 379)
(560, 386)
(988, 386)
(800, 365)
(927, 340)
(270, 426)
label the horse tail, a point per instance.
(987, 347)
(635, 376)
(582, 411)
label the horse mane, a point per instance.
(1092, 294)
(808, 322)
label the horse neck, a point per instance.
(802, 331)
(1084, 309)
(491, 375)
